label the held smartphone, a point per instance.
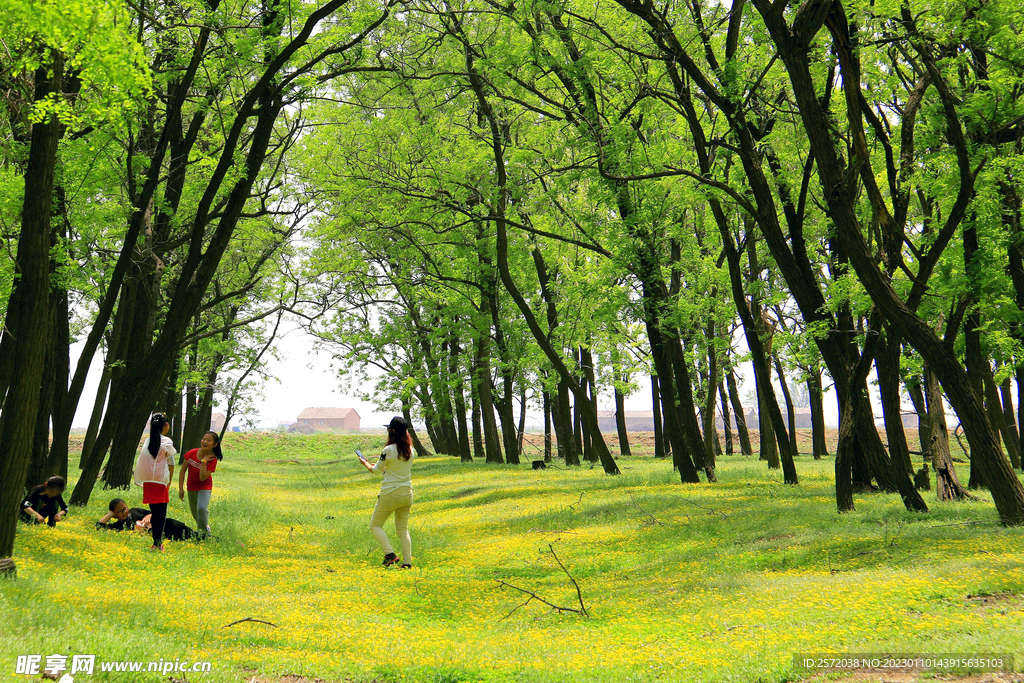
(360, 455)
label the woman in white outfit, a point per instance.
(395, 492)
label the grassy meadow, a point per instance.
(723, 582)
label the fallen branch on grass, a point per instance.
(651, 519)
(966, 521)
(711, 511)
(572, 506)
(258, 621)
(581, 610)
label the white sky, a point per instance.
(306, 379)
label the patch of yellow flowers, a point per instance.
(675, 592)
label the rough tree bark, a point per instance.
(29, 311)
(814, 393)
(793, 49)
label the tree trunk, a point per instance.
(30, 308)
(478, 439)
(924, 431)
(42, 466)
(947, 484)
(589, 381)
(522, 422)
(769, 416)
(571, 450)
(620, 418)
(1019, 374)
(173, 410)
(659, 433)
(710, 429)
(977, 365)
(769, 449)
(814, 393)
(790, 410)
(60, 350)
(93, 464)
(1007, 491)
(559, 403)
(505, 411)
(579, 438)
(92, 460)
(737, 409)
(547, 425)
(436, 442)
(443, 387)
(96, 417)
(887, 366)
(492, 446)
(417, 445)
(726, 417)
(998, 416)
(680, 422)
(39, 465)
(1011, 216)
(465, 453)
(844, 458)
(1012, 435)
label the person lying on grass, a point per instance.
(44, 503)
(173, 529)
(126, 517)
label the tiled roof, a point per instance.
(326, 413)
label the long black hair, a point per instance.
(56, 482)
(156, 430)
(216, 447)
(398, 434)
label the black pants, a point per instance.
(159, 516)
(51, 518)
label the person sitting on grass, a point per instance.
(45, 503)
(126, 517)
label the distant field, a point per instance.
(723, 582)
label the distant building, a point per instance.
(636, 420)
(326, 419)
(217, 421)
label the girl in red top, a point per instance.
(200, 464)
(153, 472)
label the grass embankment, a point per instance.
(720, 582)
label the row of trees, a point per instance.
(500, 203)
(147, 162)
(838, 178)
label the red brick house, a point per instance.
(329, 419)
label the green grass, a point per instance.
(721, 582)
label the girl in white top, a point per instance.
(153, 472)
(395, 491)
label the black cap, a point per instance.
(397, 423)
